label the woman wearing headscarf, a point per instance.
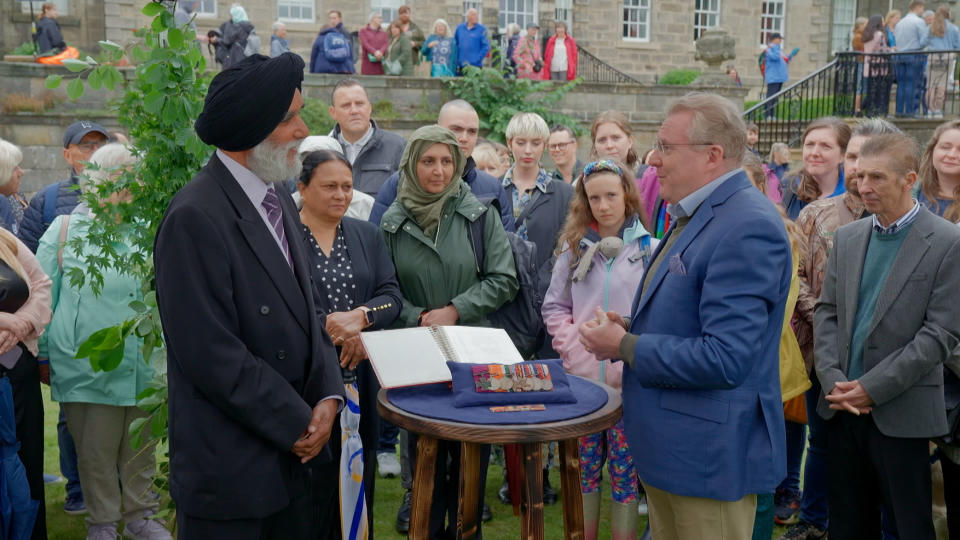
(234, 34)
(427, 231)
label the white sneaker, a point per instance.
(106, 531)
(388, 465)
(146, 529)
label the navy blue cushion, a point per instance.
(465, 392)
(436, 401)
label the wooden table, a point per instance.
(529, 437)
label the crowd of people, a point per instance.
(923, 75)
(398, 47)
(762, 312)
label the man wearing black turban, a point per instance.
(254, 381)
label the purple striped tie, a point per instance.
(271, 203)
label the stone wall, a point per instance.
(41, 134)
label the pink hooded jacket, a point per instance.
(609, 284)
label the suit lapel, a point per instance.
(700, 219)
(912, 250)
(264, 247)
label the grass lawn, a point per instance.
(505, 525)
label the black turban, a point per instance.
(246, 102)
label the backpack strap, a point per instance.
(476, 232)
(64, 225)
(787, 194)
(50, 194)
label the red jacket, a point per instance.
(571, 57)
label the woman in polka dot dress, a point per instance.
(354, 283)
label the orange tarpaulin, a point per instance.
(69, 52)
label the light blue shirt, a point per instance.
(949, 40)
(899, 224)
(912, 33)
(689, 204)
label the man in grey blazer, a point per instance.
(887, 318)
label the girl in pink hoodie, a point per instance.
(604, 252)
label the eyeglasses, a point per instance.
(559, 146)
(90, 145)
(662, 147)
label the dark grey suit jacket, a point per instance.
(247, 355)
(916, 324)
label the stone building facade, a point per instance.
(644, 38)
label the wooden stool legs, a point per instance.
(426, 460)
(531, 501)
(570, 489)
(468, 514)
(531, 505)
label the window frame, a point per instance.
(300, 4)
(472, 4)
(568, 19)
(206, 14)
(63, 6)
(699, 13)
(503, 14)
(388, 9)
(626, 24)
(778, 23)
(845, 28)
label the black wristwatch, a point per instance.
(367, 316)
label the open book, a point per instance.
(414, 356)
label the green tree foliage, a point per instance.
(160, 103)
(498, 98)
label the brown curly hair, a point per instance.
(580, 216)
(930, 182)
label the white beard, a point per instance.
(270, 162)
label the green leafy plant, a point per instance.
(159, 105)
(383, 110)
(24, 49)
(679, 77)
(316, 115)
(498, 98)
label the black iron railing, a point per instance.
(593, 69)
(902, 84)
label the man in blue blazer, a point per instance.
(701, 388)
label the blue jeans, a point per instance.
(772, 88)
(68, 458)
(796, 442)
(910, 84)
(813, 504)
(389, 436)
